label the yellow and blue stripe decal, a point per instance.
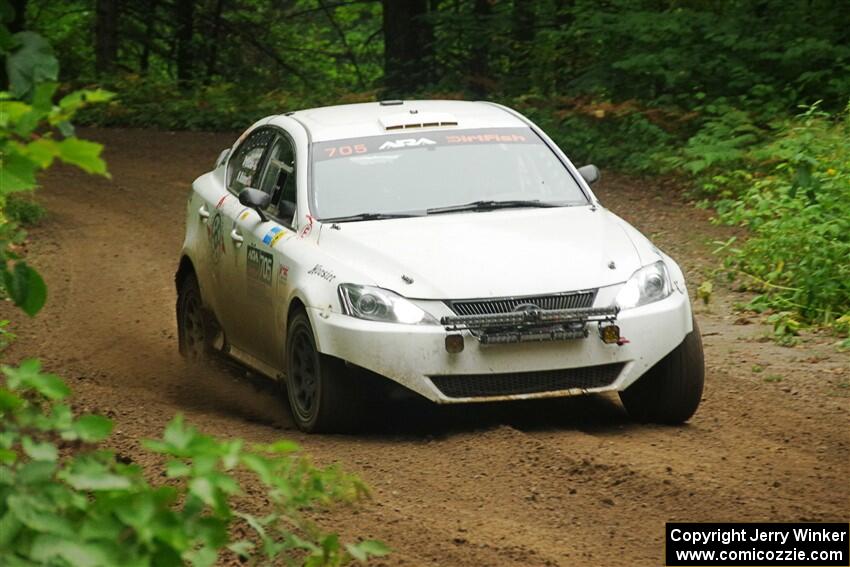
(269, 239)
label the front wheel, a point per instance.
(322, 395)
(670, 391)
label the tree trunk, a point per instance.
(479, 59)
(16, 24)
(523, 37)
(144, 59)
(185, 32)
(212, 58)
(564, 61)
(19, 19)
(408, 46)
(105, 36)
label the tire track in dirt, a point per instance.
(554, 482)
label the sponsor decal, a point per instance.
(484, 138)
(406, 143)
(216, 238)
(273, 236)
(244, 178)
(220, 202)
(244, 214)
(283, 274)
(259, 265)
(307, 227)
(253, 159)
(348, 150)
(319, 270)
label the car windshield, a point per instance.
(425, 172)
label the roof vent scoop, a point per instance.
(409, 120)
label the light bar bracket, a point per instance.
(533, 325)
(529, 318)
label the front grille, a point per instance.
(513, 383)
(573, 300)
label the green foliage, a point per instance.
(786, 327)
(29, 124)
(147, 104)
(792, 192)
(621, 83)
(585, 130)
(24, 210)
(705, 291)
(30, 62)
(25, 287)
(6, 336)
(720, 144)
(66, 500)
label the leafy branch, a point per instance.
(66, 500)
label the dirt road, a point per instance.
(552, 483)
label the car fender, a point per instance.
(313, 278)
(677, 277)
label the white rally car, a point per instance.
(448, 246)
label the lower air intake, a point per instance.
(514, 383)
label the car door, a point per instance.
(244, 170)
(267, 260)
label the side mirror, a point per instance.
(590, 173)
(255, 199)
(221, 157)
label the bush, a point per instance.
(24, 210)
(143, 103)
(793, 194)
(66, 500)
(718, 149)
(619, 136)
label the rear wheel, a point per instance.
(193, 327)
(670, 391)
(322, 395)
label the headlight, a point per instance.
(650, 283)
(376, 304)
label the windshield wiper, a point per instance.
(490, 206)
(370, 216)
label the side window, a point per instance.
(279, 179)
(245, 165)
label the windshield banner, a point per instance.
(427, 139)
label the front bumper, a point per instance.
(412, 354)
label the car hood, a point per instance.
(499, 253)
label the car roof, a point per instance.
(393, 117)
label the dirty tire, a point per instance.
(194, 330)
(670, 391)
(323, 396)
